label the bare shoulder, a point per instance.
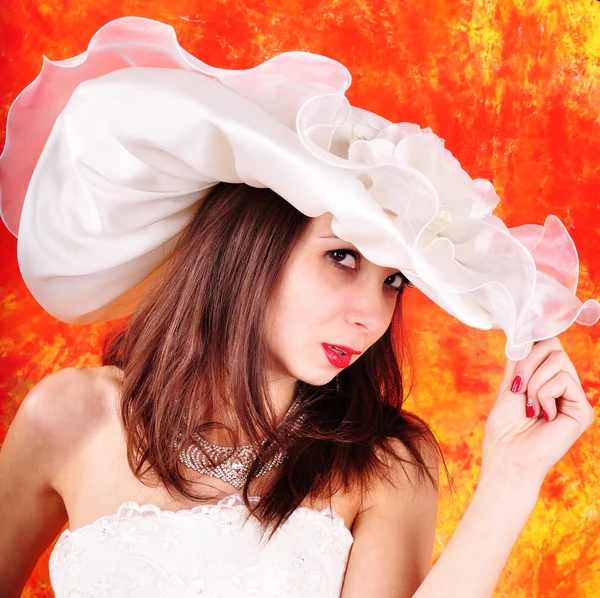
(405, 475)
(70, 395)
(63, 408)
(395, 528)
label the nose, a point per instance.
(369, 307)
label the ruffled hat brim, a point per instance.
(108, 154)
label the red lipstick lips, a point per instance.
(337, 359)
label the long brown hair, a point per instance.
(196, 341)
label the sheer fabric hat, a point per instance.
(109, 153)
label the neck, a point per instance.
(282, 392)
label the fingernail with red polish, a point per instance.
(516, 385)
(530, 409)
(545, 415)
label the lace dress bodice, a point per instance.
(206, 551)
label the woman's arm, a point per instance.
(36, 446)
(473, 560)
(391, 555)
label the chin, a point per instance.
(315, 379)
(315, 374)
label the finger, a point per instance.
(509, 373)
(519, 377)
(562, 394)
(556, 362)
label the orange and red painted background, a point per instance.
(514, 89)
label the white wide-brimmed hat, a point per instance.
(109, 153)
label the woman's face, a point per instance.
(329, 294)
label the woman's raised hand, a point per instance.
(525, 448)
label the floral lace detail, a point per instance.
(208, 550)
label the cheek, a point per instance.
(391, 309)
(304, 305)
(308, 299)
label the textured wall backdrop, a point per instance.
(513, 88)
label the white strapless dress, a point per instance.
(145, 552)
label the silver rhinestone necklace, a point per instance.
(232, 463)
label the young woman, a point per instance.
(245, 433)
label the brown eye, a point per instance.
(399, 281)
(343, 254)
